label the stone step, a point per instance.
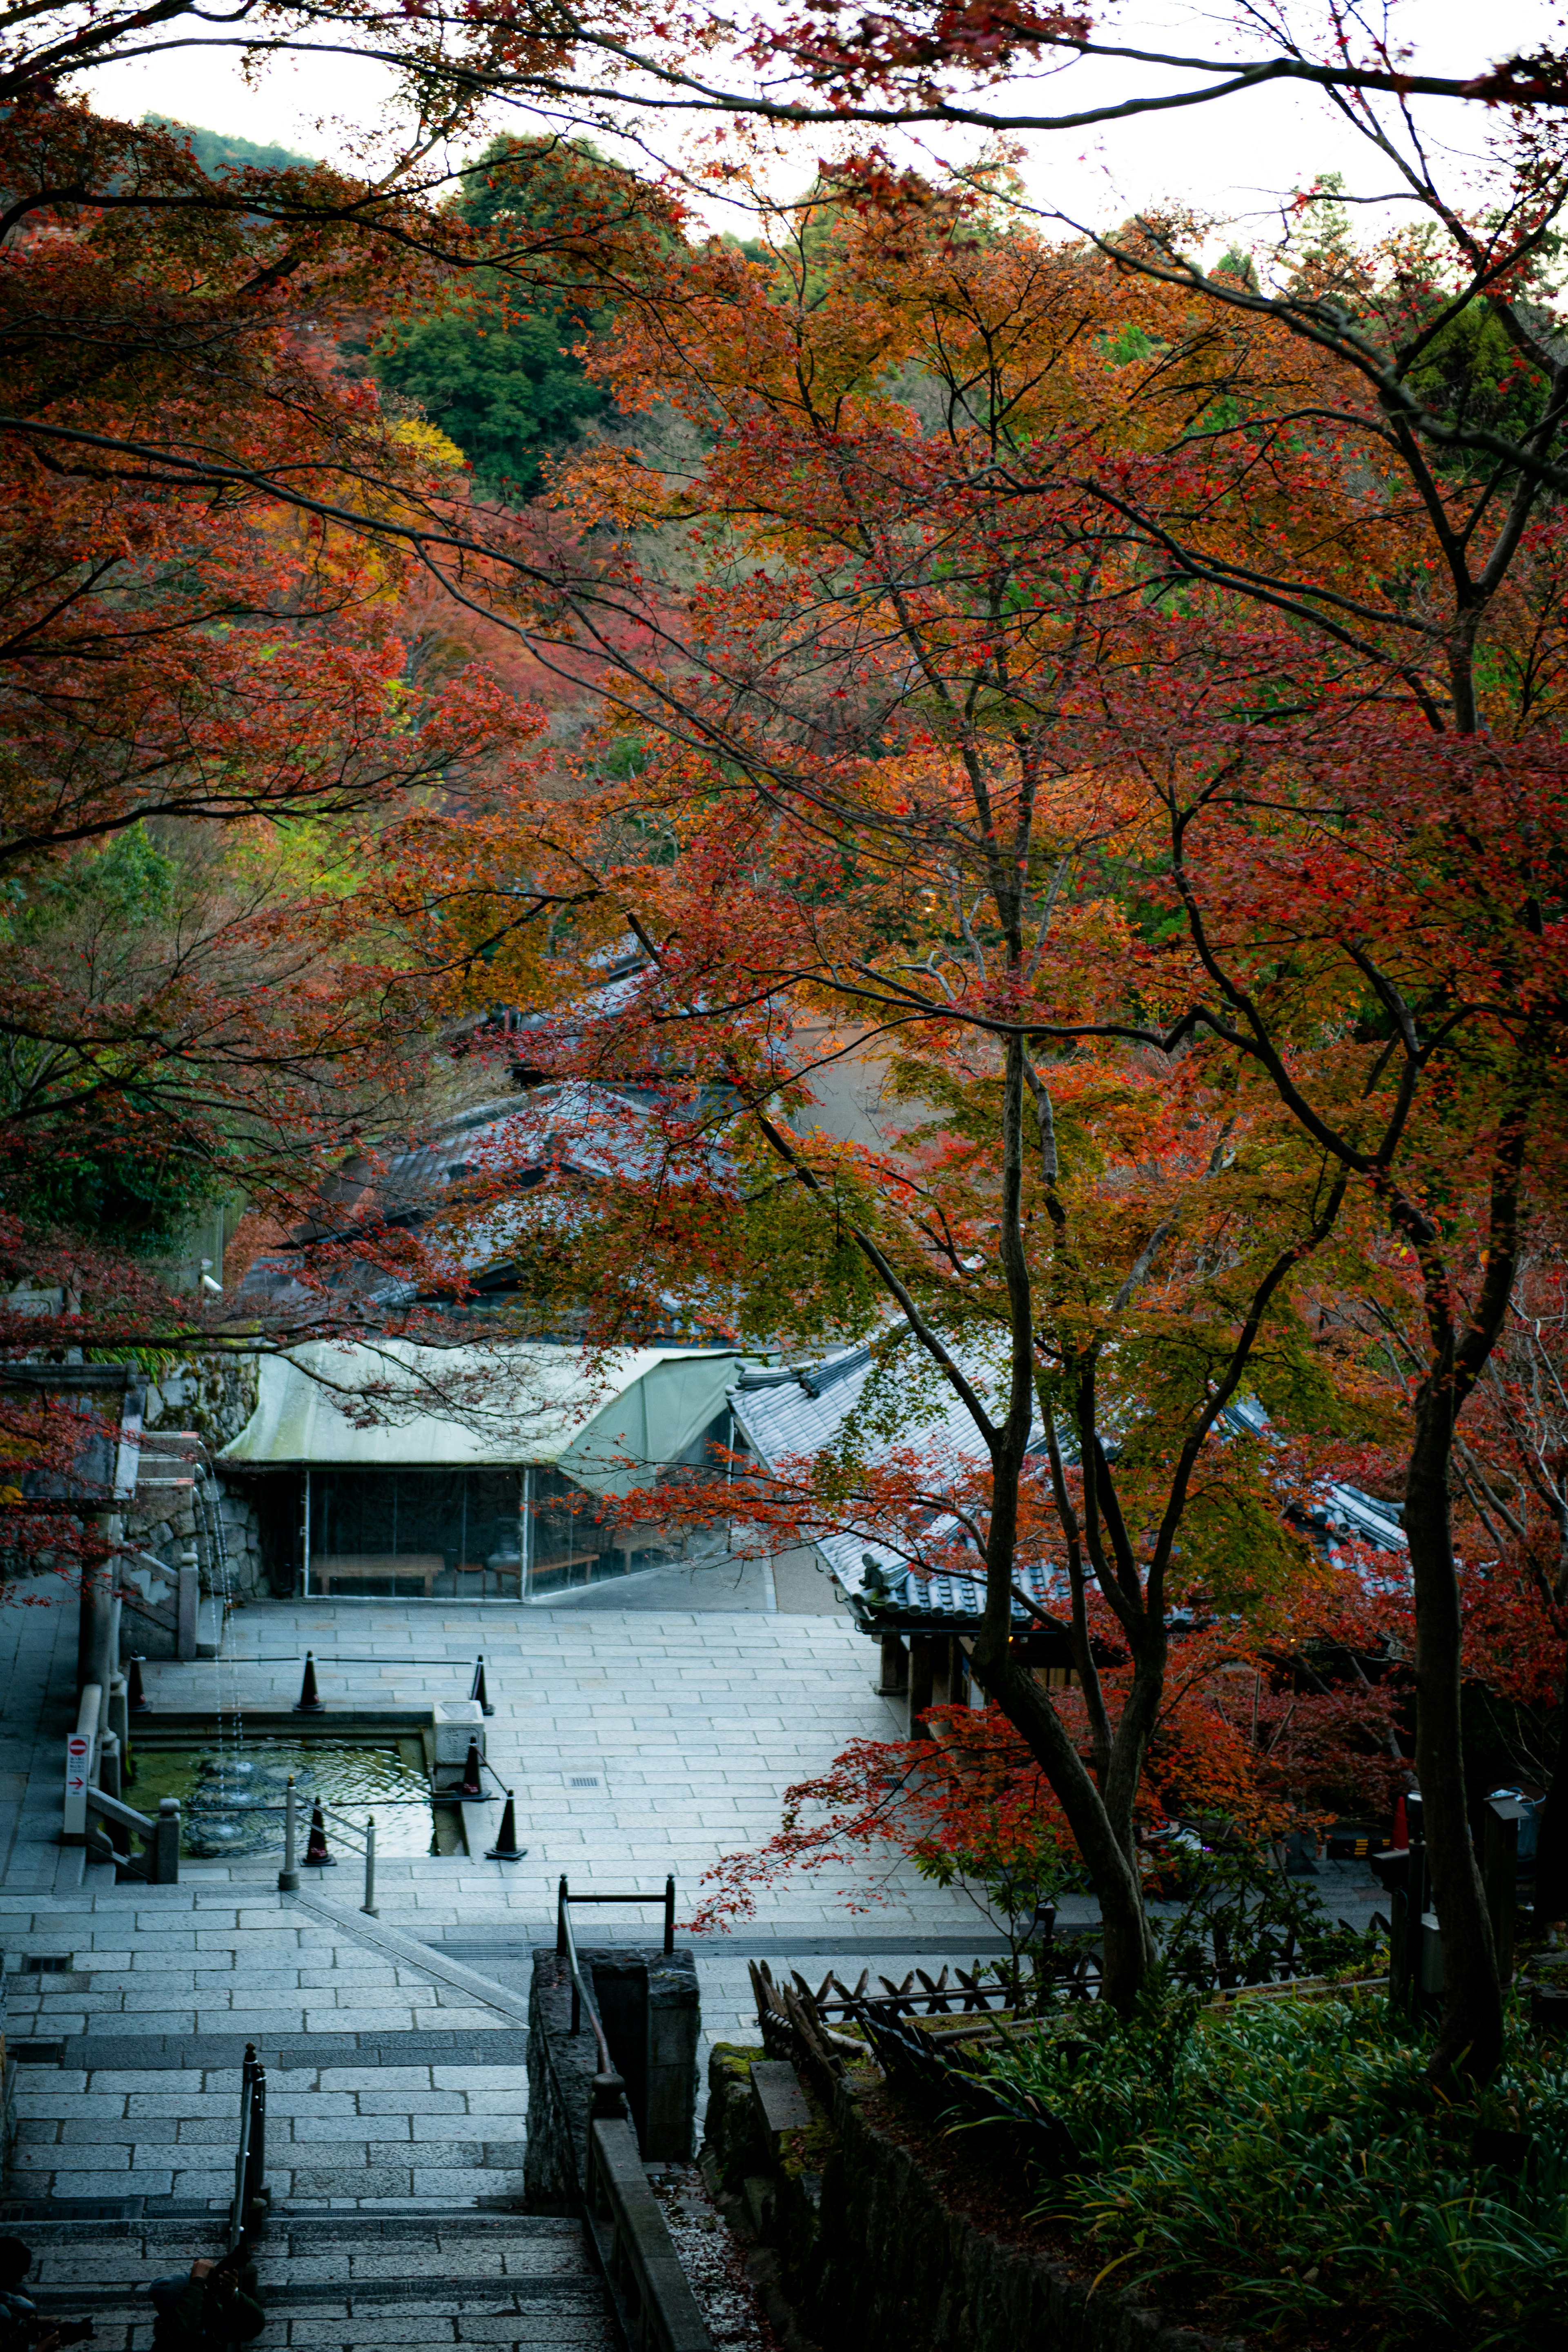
(303, 2229)
(345, 2279)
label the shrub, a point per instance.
(1291, 2160)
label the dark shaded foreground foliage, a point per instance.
(1288, 2165)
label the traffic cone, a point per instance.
(479, 1691)
(135, 1697)
(309, 1701)
(316, 1853)
(506, 1847)
(469, 1786)
(1401, 1826)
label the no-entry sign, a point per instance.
(78, 1765)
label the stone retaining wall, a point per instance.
(876, 2251)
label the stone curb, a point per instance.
(393, 1946)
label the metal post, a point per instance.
(1500, 1870)
(670, 1913)
(288, 1876)
(258, 2126)
(369, 1903)
(561, 1900)
(166, 1844)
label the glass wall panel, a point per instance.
(451, 1534)
(574, 1540)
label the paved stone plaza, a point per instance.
(639, 1737)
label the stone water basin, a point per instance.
(232, 1794)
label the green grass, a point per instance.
(1294, 2159)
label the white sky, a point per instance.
(1235, 158)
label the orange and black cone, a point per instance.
(506, 1847)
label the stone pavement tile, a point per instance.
(377, 2078)
(467, 2021)
(475, 2078)
(358, 2021)
(79, 2105)
(179, 2021)
(535, 2328)
(318, 2103)
(82, 2264)
(463, 2127)
(104, 2184)
(53, 2157)
(196, 2185)
(311, 2182)
(452, 2182)
(468, 2154)
(130, 2132)
(391, 2327)
(499, 2103)
(312, 2130)
(156, 2080)
(411, 2103)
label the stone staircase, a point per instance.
(397, 2086)
(342, 2282)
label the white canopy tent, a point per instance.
(489, 1467)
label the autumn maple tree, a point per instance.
(1078, 704)
(875, 783)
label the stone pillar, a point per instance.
(922, 1667)
(648, 2003)
(674, 2028)
(895, 1679)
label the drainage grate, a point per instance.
(584, 1779)
(47, 1964)
(37, 2053)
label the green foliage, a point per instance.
(1471, 376)
(108, 1184)
(799, 1275)
(130, 881)
(91, 1154)
(1244, 1922)
(1292, 2162)
(220, 150)
(498, 370)
(507, 389)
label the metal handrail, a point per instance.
(566, 1949)
(582, 1997)
(250, 2158)
(564, 1896)
(288, 1876)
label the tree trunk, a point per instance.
(1126, 1941)
(1472, 2032)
